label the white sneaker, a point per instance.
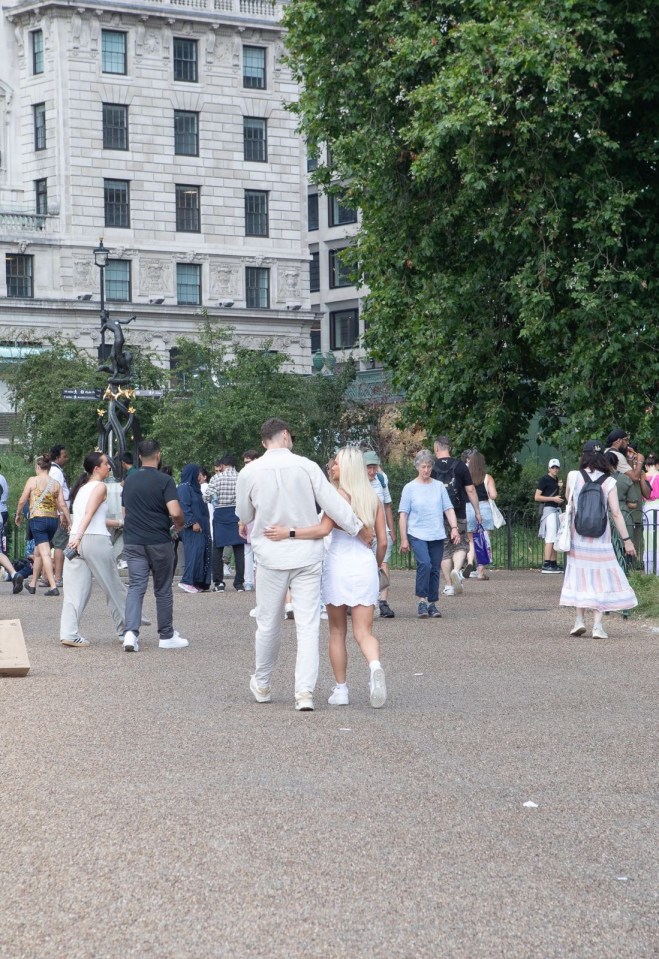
(378, 688)
(227, 570)
(579, 628)
(304, 702)
(253, 612)
(288, 611)
(598, 632)
(122, 564)
(249, 587)
(340, 697)
(187, 588)
(448, 591)
(457, 582)
(131, 642)
(175, 642)
(260, 693)
(79, 642)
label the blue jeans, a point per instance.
(428, 555)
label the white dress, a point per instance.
(350, 572)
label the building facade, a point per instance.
(160, 127)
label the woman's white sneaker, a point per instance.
(340, 696)
(378, 688)
(578, 629)
(598, 632)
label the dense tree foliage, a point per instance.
(502, 154)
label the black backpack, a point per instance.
(445, 473)
(591, 519)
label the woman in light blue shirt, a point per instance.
(423, 504)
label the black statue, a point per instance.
(119, 367)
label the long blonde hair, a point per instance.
(353, 480)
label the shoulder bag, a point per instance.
(498, 518)
(564, 537)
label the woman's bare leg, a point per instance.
(362, 630)
(338, 630)
(44, 552)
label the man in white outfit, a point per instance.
(282, 488)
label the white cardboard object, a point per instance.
(13, 653)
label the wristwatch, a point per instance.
(626, 539)
(291, 534)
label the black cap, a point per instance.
(614, 435)
(593, 446)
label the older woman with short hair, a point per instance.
(423, 504)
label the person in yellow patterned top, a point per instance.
(46, 505)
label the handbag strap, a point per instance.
(49, 485)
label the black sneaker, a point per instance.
(17, 580)
(218, 588)
(433, 612)
(547, 567)
(386, 612)
(422, 611)
(555, 568)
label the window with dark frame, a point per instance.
(314, 273)
(315, 337)
(19, 273)
(41, 196)
(188, 218)
(339, 214)
(339, 272)
(257, 287)
(188, 283)
(117, 281)
(186, 133)
(115, 126)
(255, 139)
(256, 213)
(186, 60)
(254, 68)
(113, 52)
(344, 329)
(117, 203)
(36, 39)
(39, 113)
(312, 211)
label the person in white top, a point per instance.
(59, 458)
(282, 488)
(90, 536)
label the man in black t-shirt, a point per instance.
(151, 505)
(549, 495)
(455, 476)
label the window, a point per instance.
(314, 335)
(344, 329)
(312, 211)
(339, 214)
(257, 284)
(19, 274)
(117, 280)
(339, 272)
(186, 133)
(312, 163)
(185, 59)
(117, 203)
(314, 273)
(254, 68)
(188, 283)
(115, 126)
(255, 139)
(39, 111)
(187, 209)
(36, 38)
(41, 196)
(113, 47)
(256, 213)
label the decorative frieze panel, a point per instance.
(156, 277)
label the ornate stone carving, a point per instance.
(155, 276)
(225, 280)
(83, 274)
(289, 283)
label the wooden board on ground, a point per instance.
(13, 653)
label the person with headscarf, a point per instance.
(196, 533)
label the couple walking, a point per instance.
(278, 493)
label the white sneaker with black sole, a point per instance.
(304, 702)
(131, 642)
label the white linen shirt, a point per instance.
(282, 488)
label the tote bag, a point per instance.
(564, 537)
(498, 519)
(482, 547)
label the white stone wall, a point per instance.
(73, 87)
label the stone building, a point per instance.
(160, 126)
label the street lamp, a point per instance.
(101, 257)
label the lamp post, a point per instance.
(101, 257)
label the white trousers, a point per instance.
(96, 561)
(249, 564)
(271, 588)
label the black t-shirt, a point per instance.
(146, 494)
(548, 486)
(461, 478)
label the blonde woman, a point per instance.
(46, 505)
(350, 575)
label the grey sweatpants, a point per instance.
(143, 560)
(96, 560)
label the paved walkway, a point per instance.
(151, 809)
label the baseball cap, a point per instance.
(371, 458)
(554, 463)
(616, 434)
(594, 446)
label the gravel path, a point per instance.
(150, 808)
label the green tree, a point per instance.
(503, 155)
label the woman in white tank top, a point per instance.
(90, 536)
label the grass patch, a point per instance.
(647, 592)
